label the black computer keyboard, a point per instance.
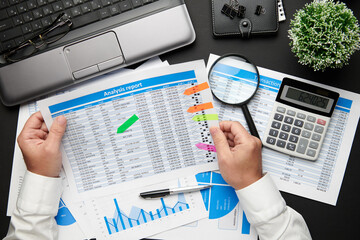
(21, 19)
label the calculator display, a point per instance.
(306, 99)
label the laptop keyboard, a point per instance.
(21, 19)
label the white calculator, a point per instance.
(299, 119)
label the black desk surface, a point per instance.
(324, 221)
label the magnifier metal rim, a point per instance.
(247, 60)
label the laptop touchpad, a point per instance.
(94, 55)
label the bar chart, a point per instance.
(138, 216)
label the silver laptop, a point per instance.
(47, 45)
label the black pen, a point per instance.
(169, 191)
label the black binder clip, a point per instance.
(258, 10)
(241, 11)
(230, 9)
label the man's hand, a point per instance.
(41, 147)
(239, 154)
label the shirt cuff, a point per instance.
(40, 194)
(261, 200)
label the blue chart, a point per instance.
(64, 216)
(220, 199)
(121, 221)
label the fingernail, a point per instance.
(61, 120)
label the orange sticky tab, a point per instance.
(196, 88)
(200, 107)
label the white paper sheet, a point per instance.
(320, 180)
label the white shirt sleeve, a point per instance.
(266, 210)
(36, 207)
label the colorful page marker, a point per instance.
(200, 107)
(127, 124)
(207, 147)
(196, 88)
(205, 117)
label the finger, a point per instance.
(220, 141)
(240, 134)
(44, 127)
(34, 122)
(56, 132)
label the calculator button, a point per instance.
(311, 118)
(293, 139)
(276, 125)
(301, 115)
(311, 153)
(283, 136)
(298, 123)
(271, 140)
(273, 132)
(286, 128)
(306, 134)
(280, 143)
(302, 145)
(321, 122)
(309, 126)
(280, 109)
(289, 120)
(313, 145)
(290, 112)
(296, 131)
(290, 146)
(278, 117)
(319, 129)
(316, 137)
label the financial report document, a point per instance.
(141, 129)
(320, 180)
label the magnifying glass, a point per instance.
(234, 80)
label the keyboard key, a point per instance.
(77, 2)
(104, 13)
(86, 19)
(280, 143)
(321, 122)
(38, 13)
(46, 21)
(301, 115)
(26, 28)
(302, 145)
(283, 136)
(136, 3)
(31, 4)
(293, 139)
(6, 24)
(125, 5)
(41, 2)
(75, 12)
(68, 3)
(11, 33)
(271, 140)
(290, 113)
(311, 118)
(273, 132)
(3, 4)
(114, 9)
(12, 11)
(280, 109)
(313, 145)
(22, 7)
(85, 8)
(36, 25)
(289, 120)
(296, 131)
(319, 129)
(311, 153)
(298, 123)
(291, 146)
(95, 4)
(9, 44)
(18, 20)
(278, 117)
(306, 134)
(3, 14)
(28, 17)
(106, 2)
(286, 128)
(58, 6)
(316, 137)
(48, 10)
(309, 126)
(275, 125)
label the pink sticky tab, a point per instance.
(207, 147)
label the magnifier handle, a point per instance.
(249, 121)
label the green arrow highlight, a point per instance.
(127, 124)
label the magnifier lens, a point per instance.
(233, 79)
